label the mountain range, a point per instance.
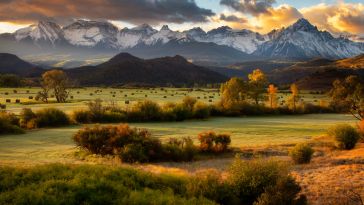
(123, 69)
(82, 39)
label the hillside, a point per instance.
(318, 73)
(11, 64)
(127, 69)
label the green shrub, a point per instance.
(51, 117)
(9, 124)
(301, 153)
(145, 111)
(212, 142)
(248, 182)
(91, 184)
(263, 182)
(82, 116)
(209, 184)
(345, 136)
(179, 150)
(182, 112)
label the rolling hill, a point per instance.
(318, 73)
(127, 69)
(11, 64)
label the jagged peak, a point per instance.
(165, 28)
(143, 26)
(302, 24)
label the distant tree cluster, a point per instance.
(255, 90)
(11, 81)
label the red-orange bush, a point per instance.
(212, 142)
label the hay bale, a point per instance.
(30, 97)
(8, 100)
(127, 102)
(17, 101)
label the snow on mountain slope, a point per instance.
(91, 33)
(243, 40)
(300, 40)
(43, 31)
(164, 36)
(129, 38)
(303, 40)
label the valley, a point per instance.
(180, 102)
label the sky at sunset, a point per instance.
(336, 16)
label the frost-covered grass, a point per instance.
(56, 145)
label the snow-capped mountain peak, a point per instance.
(302, 25)
(43, 31)
(300, 40)
(303, 40)
(146, 28)
(91, 33)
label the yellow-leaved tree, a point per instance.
(257, 85)
(294, 98)
(232, 92)
(272, 96)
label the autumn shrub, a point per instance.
(130, 144)
(212, 142)
(179, 149)
(301, 153)
(189, 102)
(345, 136)
(361, 130)
(28, 118)
(200, 110)
(9, 124)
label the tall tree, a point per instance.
(232, 92)
(294, 98)
(272, 96)
(350, 92)
(257, 84)
(57, 81)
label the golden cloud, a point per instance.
(339, 18)
(275, 18)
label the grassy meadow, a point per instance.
(55, 144)
(120, 96)
(269, 136)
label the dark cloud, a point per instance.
(254, 7)
(232, 18)
(133, 11)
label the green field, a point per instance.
(56, 145)
(82, 95)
